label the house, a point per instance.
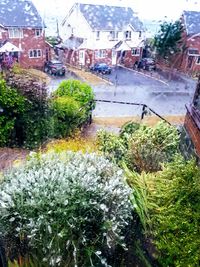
(192, 123)
(22, 35)
(109, 34)
(188, 60)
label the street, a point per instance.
(166, 98)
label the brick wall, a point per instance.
(193, 131)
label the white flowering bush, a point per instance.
(65, 209)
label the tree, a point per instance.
(169, 40)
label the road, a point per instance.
(165, 98)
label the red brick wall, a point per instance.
(107, 59)
(28, 42)
(130, 59)
(193, 131)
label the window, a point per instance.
(100, 53)
(98, 35)
(127, 35)
(15, 33)
(81, 54)
(198, 60)
(35, 53)
(140, 34)
(38, 32)
(135, 51)
(193, 51)
(113, 36)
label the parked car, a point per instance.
(101, 68)
(147, 64)
(55, 67)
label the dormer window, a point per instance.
(38, 32)
(127, 35)
(113, 36)
(97, 35)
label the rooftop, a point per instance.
(104, 17)
(192, 22)
(19, 13)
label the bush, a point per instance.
(149, 147)
(12, 106)
(111, 145)
(176, 220)
(65, 210)
(66, 114)
(168, 205)
(80, 91)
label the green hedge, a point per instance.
(29, 117)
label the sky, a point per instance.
(51, 10)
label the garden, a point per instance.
(121, 200)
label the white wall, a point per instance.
(77, 24)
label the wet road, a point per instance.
(166, 99)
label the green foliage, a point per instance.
(53, 40)
(111, 145)
(6, 128)
(32, 127)
(142, 148)
(66, 209)
(27, 120)
(67, 115)
(167, 203)
(149, 147)
(177, 216)
(80, 91)
(12, 106)
(167, 41)
(127, 130)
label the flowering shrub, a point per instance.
(65, 209)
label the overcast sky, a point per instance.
(147, 9)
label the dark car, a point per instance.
(54, 67)
(101, 68)
(147, 64)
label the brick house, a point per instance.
(22, 35)
(189, 60)
(109, 34)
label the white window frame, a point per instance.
(100, 53)
(193, 54)
(135, 51)
(38, 32)
(198, 60)
(36, 53)
(127, 35)
(15, 33)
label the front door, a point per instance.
(114, 57)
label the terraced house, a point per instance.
(109, 34)
(22, 35)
